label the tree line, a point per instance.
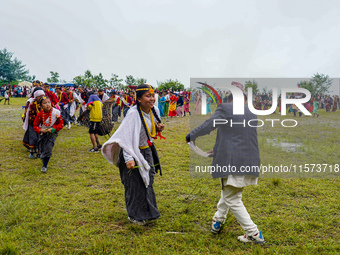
(319, 84)
(13, 70)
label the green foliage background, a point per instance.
(174, 84)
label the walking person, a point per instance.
(236, 146)
(131, 148)
(198, 103)
(6, 97)
(63, 104)
(47, 124)
(180, 104)
(161, 103)
(335, 104)
(315, 107)
(116, 110)
(186, 104)
(95, 106)
(31, 137)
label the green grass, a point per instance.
(78, 207)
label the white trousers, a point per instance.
(73, 109)
(231, 199)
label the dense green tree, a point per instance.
(174, 84)
(140, 81)
(86, 80)
(130, 81)
(252, 84)
(78, 80)
(54, 77)
(319, 84)
(115, 82)
(11, 69)
(322, 83)
(99, 81)
(307, 85)
(91, 81)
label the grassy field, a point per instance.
(78, 207)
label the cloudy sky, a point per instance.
(163, 39)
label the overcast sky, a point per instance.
(163, 39)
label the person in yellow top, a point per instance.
(95, 106)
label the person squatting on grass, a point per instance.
(131, 148)
(236, 146)
(95, 106)
(47, 124)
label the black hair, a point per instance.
(42, 99)
(139, 94)
(89, 93)
(37, 88)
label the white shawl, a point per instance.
(31, 100)
(55, 114)
(73, 106)
(105, 97)
(127, 137)
(81, 101)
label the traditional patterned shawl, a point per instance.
(36, 94)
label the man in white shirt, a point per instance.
(235, 146)
(102, 95)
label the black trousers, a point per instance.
(140, 201)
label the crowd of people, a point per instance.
(129, 147)
(13, 90)
(170, 103)
(64, 102)
(49, 109)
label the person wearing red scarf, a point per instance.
(63, 101)
(61, 96)
(173, 104)
(50, 94)
(126, 103)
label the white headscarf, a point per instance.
(31, 100)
